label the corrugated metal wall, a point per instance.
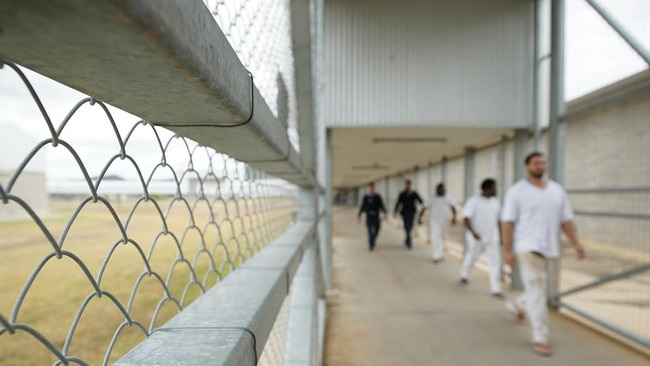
(439, 63)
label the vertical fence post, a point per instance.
(557, 127)
(521, 149)
(443, 173)
(470, 162)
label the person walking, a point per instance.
(440, 206)
(481, 217)
(407, 207)
(534, 211)
(372, 204)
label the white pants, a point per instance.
(493, 255)
(533, 271)
(438, 239)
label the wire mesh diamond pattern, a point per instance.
(141, 230)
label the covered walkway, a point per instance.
(395, 307)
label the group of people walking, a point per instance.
(527, 229)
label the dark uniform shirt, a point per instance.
(372, 204)
(407, 201)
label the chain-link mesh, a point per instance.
(138, 223)
(260, 33)
(274, 349)
(608, 181)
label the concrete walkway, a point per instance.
(395, 307)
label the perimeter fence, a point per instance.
(608, 185)
(138, 223)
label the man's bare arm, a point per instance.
(569, 228)
(507, 228)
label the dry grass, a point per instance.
(61, 287)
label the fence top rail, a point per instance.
(230, 323)
(171, 57)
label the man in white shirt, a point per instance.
(439, 206)
(534, 211)
(481, 216)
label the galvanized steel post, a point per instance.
(557, 126)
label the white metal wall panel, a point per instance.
(456, 179)
(509, 163)
(422, 183)
(436, 176)
(433, 63)
(486, 165)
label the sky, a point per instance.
(595, 57)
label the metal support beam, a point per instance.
(301, 37)
(503, 151)
(557, 126)
(636, 46)
(443, 179)
(303, 343)
(470, 181)
(558, 107)
(521, 150)
(537, 76)
(430, 192)
(166, 62)
(326, 222)
(230, 323)
(308, 204)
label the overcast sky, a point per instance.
(595, 57)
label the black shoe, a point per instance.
(463, 281)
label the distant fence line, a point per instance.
(169, 246)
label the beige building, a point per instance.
(29, 185)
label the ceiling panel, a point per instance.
(361, 155)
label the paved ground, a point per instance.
(395, 307)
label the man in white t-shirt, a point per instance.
(481, 216)
(440, 206)
(534, 211)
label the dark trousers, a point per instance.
(408, 218)
(373, 225)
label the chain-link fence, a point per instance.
(123, 227)
(260, 33)
(608, 184)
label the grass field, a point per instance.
(212, 245)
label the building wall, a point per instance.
(605, 148)
(455, 183)
(30, 186)
(15, 148)
(486, 165)
(443, 63)
(608, 147)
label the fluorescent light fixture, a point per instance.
(374, 166)
(408, 140)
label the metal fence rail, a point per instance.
(606, 179)
(611, 288)
(128, 241)
(260, 33)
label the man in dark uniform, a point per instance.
(371, 205)
(406, 205)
